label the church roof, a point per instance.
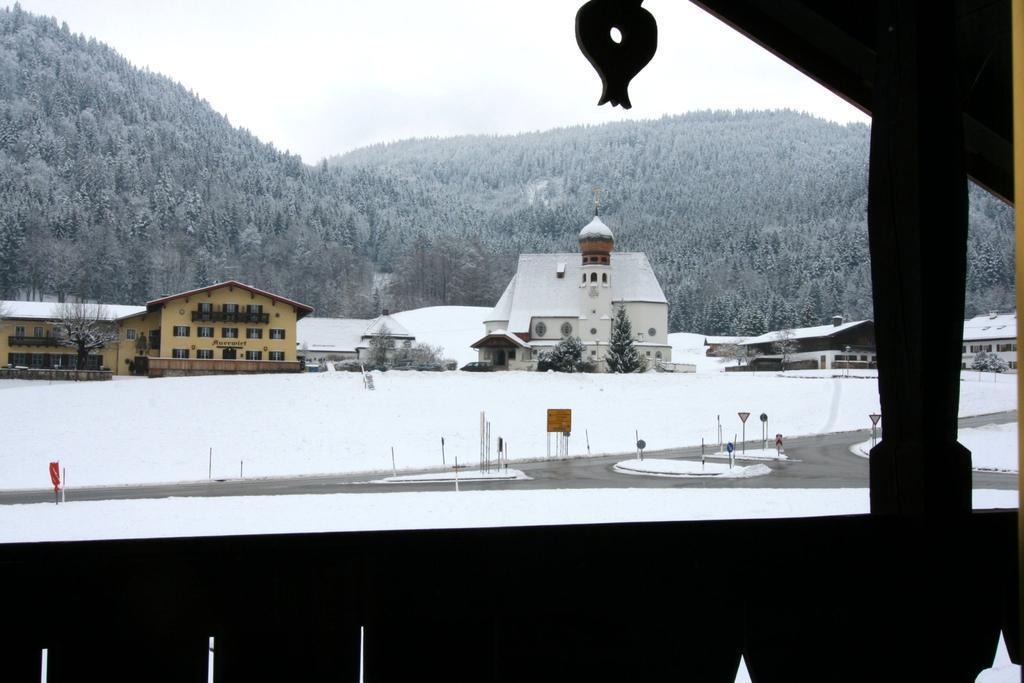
(537, 291)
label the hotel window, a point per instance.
(277, 355)
(254, 355)
(19, 331)
(205, 354)
(1006, 347)
(254, 308)
(56, 360)
(129, 334)
(206, 308)
(229, 332)
(231, 308)
(181, 330)
(253, 333)
(16, 359)
(37, 360)
(37, 331)
(276, 333)
(179, 353)
(204, 332)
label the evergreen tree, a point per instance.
(989, 362)
(567, 356)
(622, 356)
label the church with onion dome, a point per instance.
(555, 296)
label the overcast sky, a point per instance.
(321, 77)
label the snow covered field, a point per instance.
(140, 430)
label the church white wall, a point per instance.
(643, 316)
(492, 325)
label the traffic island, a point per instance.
(656, 467)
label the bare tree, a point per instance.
(784, 345)
(381, 346)
(737, 352)
(83, 327)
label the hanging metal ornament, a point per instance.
(616, 61)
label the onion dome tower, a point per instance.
(596, 242)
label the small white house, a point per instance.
(347, 338)
(555, 296)
(991, 333)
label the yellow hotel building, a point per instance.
(229, 327)
(224, 328)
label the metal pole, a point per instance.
(394, 472)
(744, 437)
(64, 488)
(210, 473)
(442, 452)
(456, 474)
(586, 433)
(241, 469)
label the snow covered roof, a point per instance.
(330, 334)
(537, 291)
(596, 229)
(301, 309)
(44, 310)
(343, 334)
(982, 327)
(806, 332)
(709, 340)
(503, 309)
(504, 334)
(395, 328)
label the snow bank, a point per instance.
(453, 328)
(993, 447)
(170, 517)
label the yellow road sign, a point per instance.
(559, 420)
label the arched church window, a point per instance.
(657, 354)
(604, 278)
(584, 278)
(566, 329)
(541, 329)
(593, 277)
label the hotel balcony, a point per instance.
(236, 317)
(32, 341)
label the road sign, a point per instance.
(743, 417)
(764, 417)
(875, 417)
(559, 420)
(778, 439)
(641, 444)
(55, 475)
(729, 447)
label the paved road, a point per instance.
(823, 461)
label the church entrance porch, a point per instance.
(503, 350)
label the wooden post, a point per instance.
(917, 227)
